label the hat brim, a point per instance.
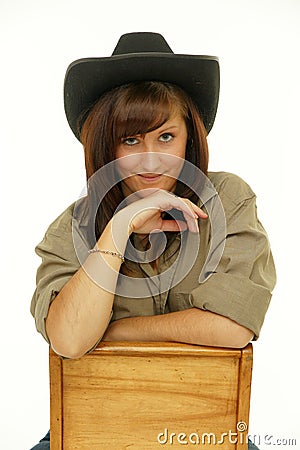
(87, 79)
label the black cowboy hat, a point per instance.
(141, 57)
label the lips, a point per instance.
(150, 177)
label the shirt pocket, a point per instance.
(179, 301)
(132, 307)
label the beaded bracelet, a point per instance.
(107, 252)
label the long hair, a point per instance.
(136, 109)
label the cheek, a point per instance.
(182, 148)
(126, 165)
(174, 163)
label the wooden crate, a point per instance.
(141, 396)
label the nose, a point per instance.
(150, 161)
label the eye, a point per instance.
(130, 141)
(166, 137)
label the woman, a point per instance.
(126, 262)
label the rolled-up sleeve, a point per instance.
(59, 263)
(241, 286)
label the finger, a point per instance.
(196, 211)
(195, 208)
(185, 206)
(190, 217)
(174, 225)
(192, 222)
(170, 201)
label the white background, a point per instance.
(256, 135)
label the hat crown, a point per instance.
(141, 43)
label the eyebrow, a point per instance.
(164, 130)
(171, 127)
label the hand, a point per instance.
(145, 214)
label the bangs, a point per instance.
(144, 107)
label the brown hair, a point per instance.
(136, 109)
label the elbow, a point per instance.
(68, 353)
(239, 336)
(67, 350)
(65, 346)
(65, 342)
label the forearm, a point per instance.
(192, 326)
(80, 313)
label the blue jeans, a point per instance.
(44, 444)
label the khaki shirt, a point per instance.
(239, 287)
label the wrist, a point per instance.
(121, 225)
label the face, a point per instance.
(154, 160)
